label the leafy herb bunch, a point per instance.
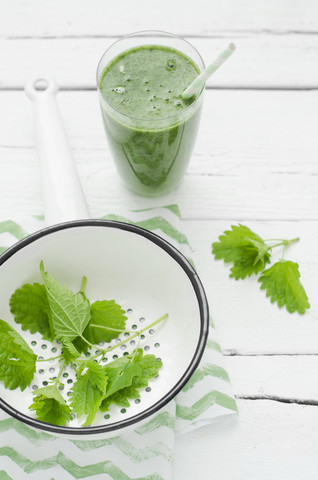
(58, 314)
(250, 254)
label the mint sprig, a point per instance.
(249, 255)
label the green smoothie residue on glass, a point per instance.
(146, 82)
(152, 139)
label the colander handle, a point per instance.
(63, 195)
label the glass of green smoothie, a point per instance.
(151, 130)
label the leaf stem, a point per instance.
(86, 341)
(285, 243)
(83, 285)
(281, 241)
(60, 372)
(120, 330)
(135, 334)
(48, 359)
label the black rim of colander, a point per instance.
(204, 326)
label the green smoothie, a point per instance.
(151, 130)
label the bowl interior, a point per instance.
(145, 276)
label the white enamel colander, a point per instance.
(138, 269)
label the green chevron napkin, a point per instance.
(146, 453)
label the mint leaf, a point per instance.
(108, 319)
(17, 361)
(70, 312)
(89, 391)
(31, 310)
(282, 285)
(244, 248)
(50, 406)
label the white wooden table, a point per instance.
(255, 162)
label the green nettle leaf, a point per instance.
(80, 345)
(88, 392)
(244, 248)
(30, 308)
(148, 367)
(57, 313)
(17, 361)
(108, 319)
(50, 406)
(120, 373)
(70, 352)
(70, 312)
(282, 285)
(121, 398)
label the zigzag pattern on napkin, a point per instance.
(9, 226)
(212, 398)
(77, 471)
(208, 369)
(155, 223)
(36, 437)
(162, 419)
(4, 475)
(136, 455)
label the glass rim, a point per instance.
(153, 33)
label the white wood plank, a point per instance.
(268, 441)
(260, 61)
(246, 132)
(286, 377)
(240, 198)
(97, 17)
(241, 168)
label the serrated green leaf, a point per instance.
(70, 352)
(244, 248)
(88, 392)
(50, 406)
(120, 398)
(108, 319)
(17, 361)
(120, 373)
(282, 285)
(80, 345)
(31, 310)
(70, 312)
(148, 368)
(50, 391)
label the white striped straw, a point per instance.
(195, 87)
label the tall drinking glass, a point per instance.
(151, 130)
